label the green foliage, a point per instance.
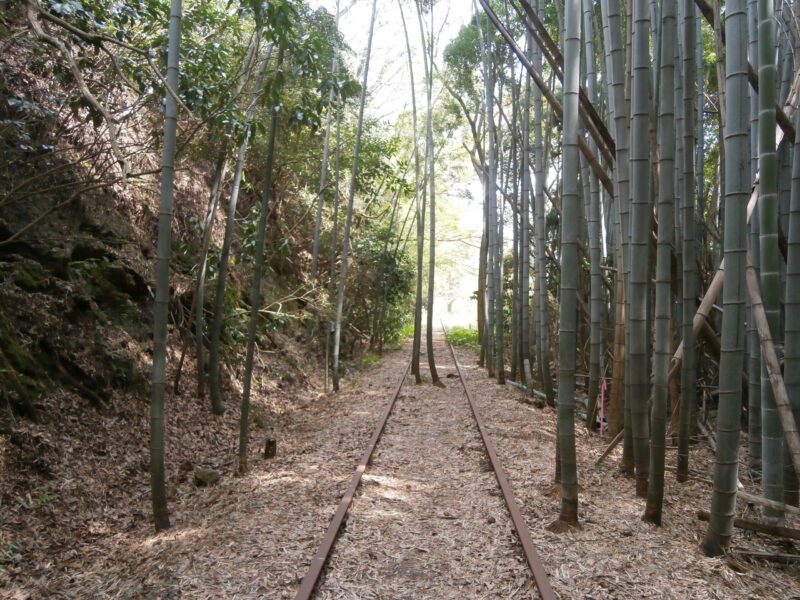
(43, 496)
(463, 336)
(382, 276)
(39, 496)
(407, 330)
(370, 359)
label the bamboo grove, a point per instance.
(640, 248)
(641, 157)
(377, 170)
(224, 107)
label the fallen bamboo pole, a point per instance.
(747, 497)
(715, 286)
(614, 443)
(748, 525)
(771, 556)
(790, 432)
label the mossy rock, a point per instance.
(31, 278)
(204, 477)
(114, 288)
(125, 374)
(29, 369)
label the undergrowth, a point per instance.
(463, 336)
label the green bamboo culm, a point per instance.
(255, 295)
(161, 309)
(627, 465)
(641, 211)
(337, 329)
(428, 55)
(616, 71)
(570, 217)
(323, 176)
(737, 192)
(593, 222)
(689, 275)
(666, 203)
(214, 354)
(541, 298)
(525, 240)
(792, 303)
(753, 341)
(490, 198)
(771, 431)
(419, 208)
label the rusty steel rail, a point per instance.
(534, 562)
(311, 577)
(309, 582)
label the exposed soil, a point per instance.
(428, 521)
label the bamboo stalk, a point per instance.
(790, 431)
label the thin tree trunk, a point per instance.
(161, 310)
(525, 240)
(334, 242)
(753, 344)
(216, 191)
(622, 190)
(627, 465)
(337, 334)
(482, 257)
(427, 48)
(496, 222)
(542, 303)
(255, 295)
(196, 312)
(616, 101)
(490, 205)
(323, 176)
(200, 289)
(417, 343)
(593, 220)
(515, 174)
(214, 365)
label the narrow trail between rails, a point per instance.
(429, 509)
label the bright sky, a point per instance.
(390, 95)
(389, 82)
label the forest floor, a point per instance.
(428, 521)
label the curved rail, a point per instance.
(534, 562)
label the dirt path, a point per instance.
(429, 520)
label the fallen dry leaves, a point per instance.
(428, 521)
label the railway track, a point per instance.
(337, 524)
